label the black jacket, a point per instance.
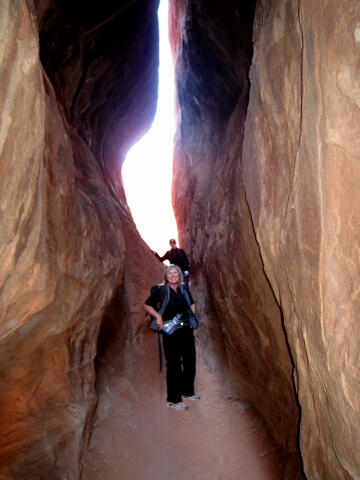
(177, 256)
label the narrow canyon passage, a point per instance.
(137, 437)
(265, 185)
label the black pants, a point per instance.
(179, 349)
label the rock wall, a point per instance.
(213, 48)
(64, 223)
(301, 171)
(265, 193)
(268, 211)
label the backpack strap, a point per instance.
(193, 318)
(165, 297)
(185, 294)
(160, 353)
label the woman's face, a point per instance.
(172, 276)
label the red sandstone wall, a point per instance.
(64, 238)
(242, 318)
(271, 222)
(301, 174)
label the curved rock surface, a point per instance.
(62, 228)
(271, 221)
(301, 172)
(243, 317)
(265, 193)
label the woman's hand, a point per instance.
(159, 321)
(151, 311)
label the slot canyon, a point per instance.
(265, 198)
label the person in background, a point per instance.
(179, 347)
(177, 256)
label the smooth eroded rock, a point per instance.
(213, 47)
(300, 156)
(62, 238)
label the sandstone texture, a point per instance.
(268, 211)
(265, 194)
(213, 47)
(64, 222)
(301, 174)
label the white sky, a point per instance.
(147, 170)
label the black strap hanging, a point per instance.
(165, 297)
(160, 353)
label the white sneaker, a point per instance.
(178, 405)
(192, 397)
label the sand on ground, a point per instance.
(137, 437)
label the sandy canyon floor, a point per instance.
(137, 437)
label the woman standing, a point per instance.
(179, 347)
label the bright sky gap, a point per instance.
(147, 170)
